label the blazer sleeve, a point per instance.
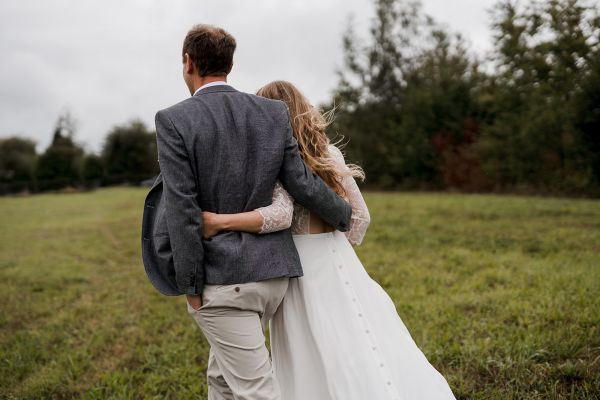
(183, 213)
(306, 187)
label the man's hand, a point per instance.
(194, 300)
(211, 224)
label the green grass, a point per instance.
(501, 293)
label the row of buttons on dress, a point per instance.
(340, 266)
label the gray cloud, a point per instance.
(111, 61)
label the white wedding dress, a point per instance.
(337, 334)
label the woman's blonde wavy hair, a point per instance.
(309, 126)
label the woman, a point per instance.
(337, 334)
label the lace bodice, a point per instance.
(284, 213)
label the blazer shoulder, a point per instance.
(264, 101)
(279, 105)
(277, 108)
(176, 108)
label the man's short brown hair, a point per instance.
(210, 48)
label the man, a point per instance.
(222, 151)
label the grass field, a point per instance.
(501, 293)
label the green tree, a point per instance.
(419, 110)
(129, 153)
(442, 111)
(405, 101)
(542, 54)
(370, 94)
(588, 112)
(93, 169)
(61, 164)
(17, 162)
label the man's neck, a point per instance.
(203, 80)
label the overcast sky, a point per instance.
(110, 61)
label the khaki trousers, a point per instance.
(234, 318)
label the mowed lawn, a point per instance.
(501, 293)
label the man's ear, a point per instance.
(230, 68)
(189, 64)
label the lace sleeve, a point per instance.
(278, 215)
(360, 213)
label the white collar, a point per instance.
(215, 83)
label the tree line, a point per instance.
(128, 156)
(420, 111)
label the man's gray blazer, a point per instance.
(222, 151)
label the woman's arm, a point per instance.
(250, 221)
(360, 213)
(274, 217)
(361, 218)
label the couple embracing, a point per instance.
(253, 217)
